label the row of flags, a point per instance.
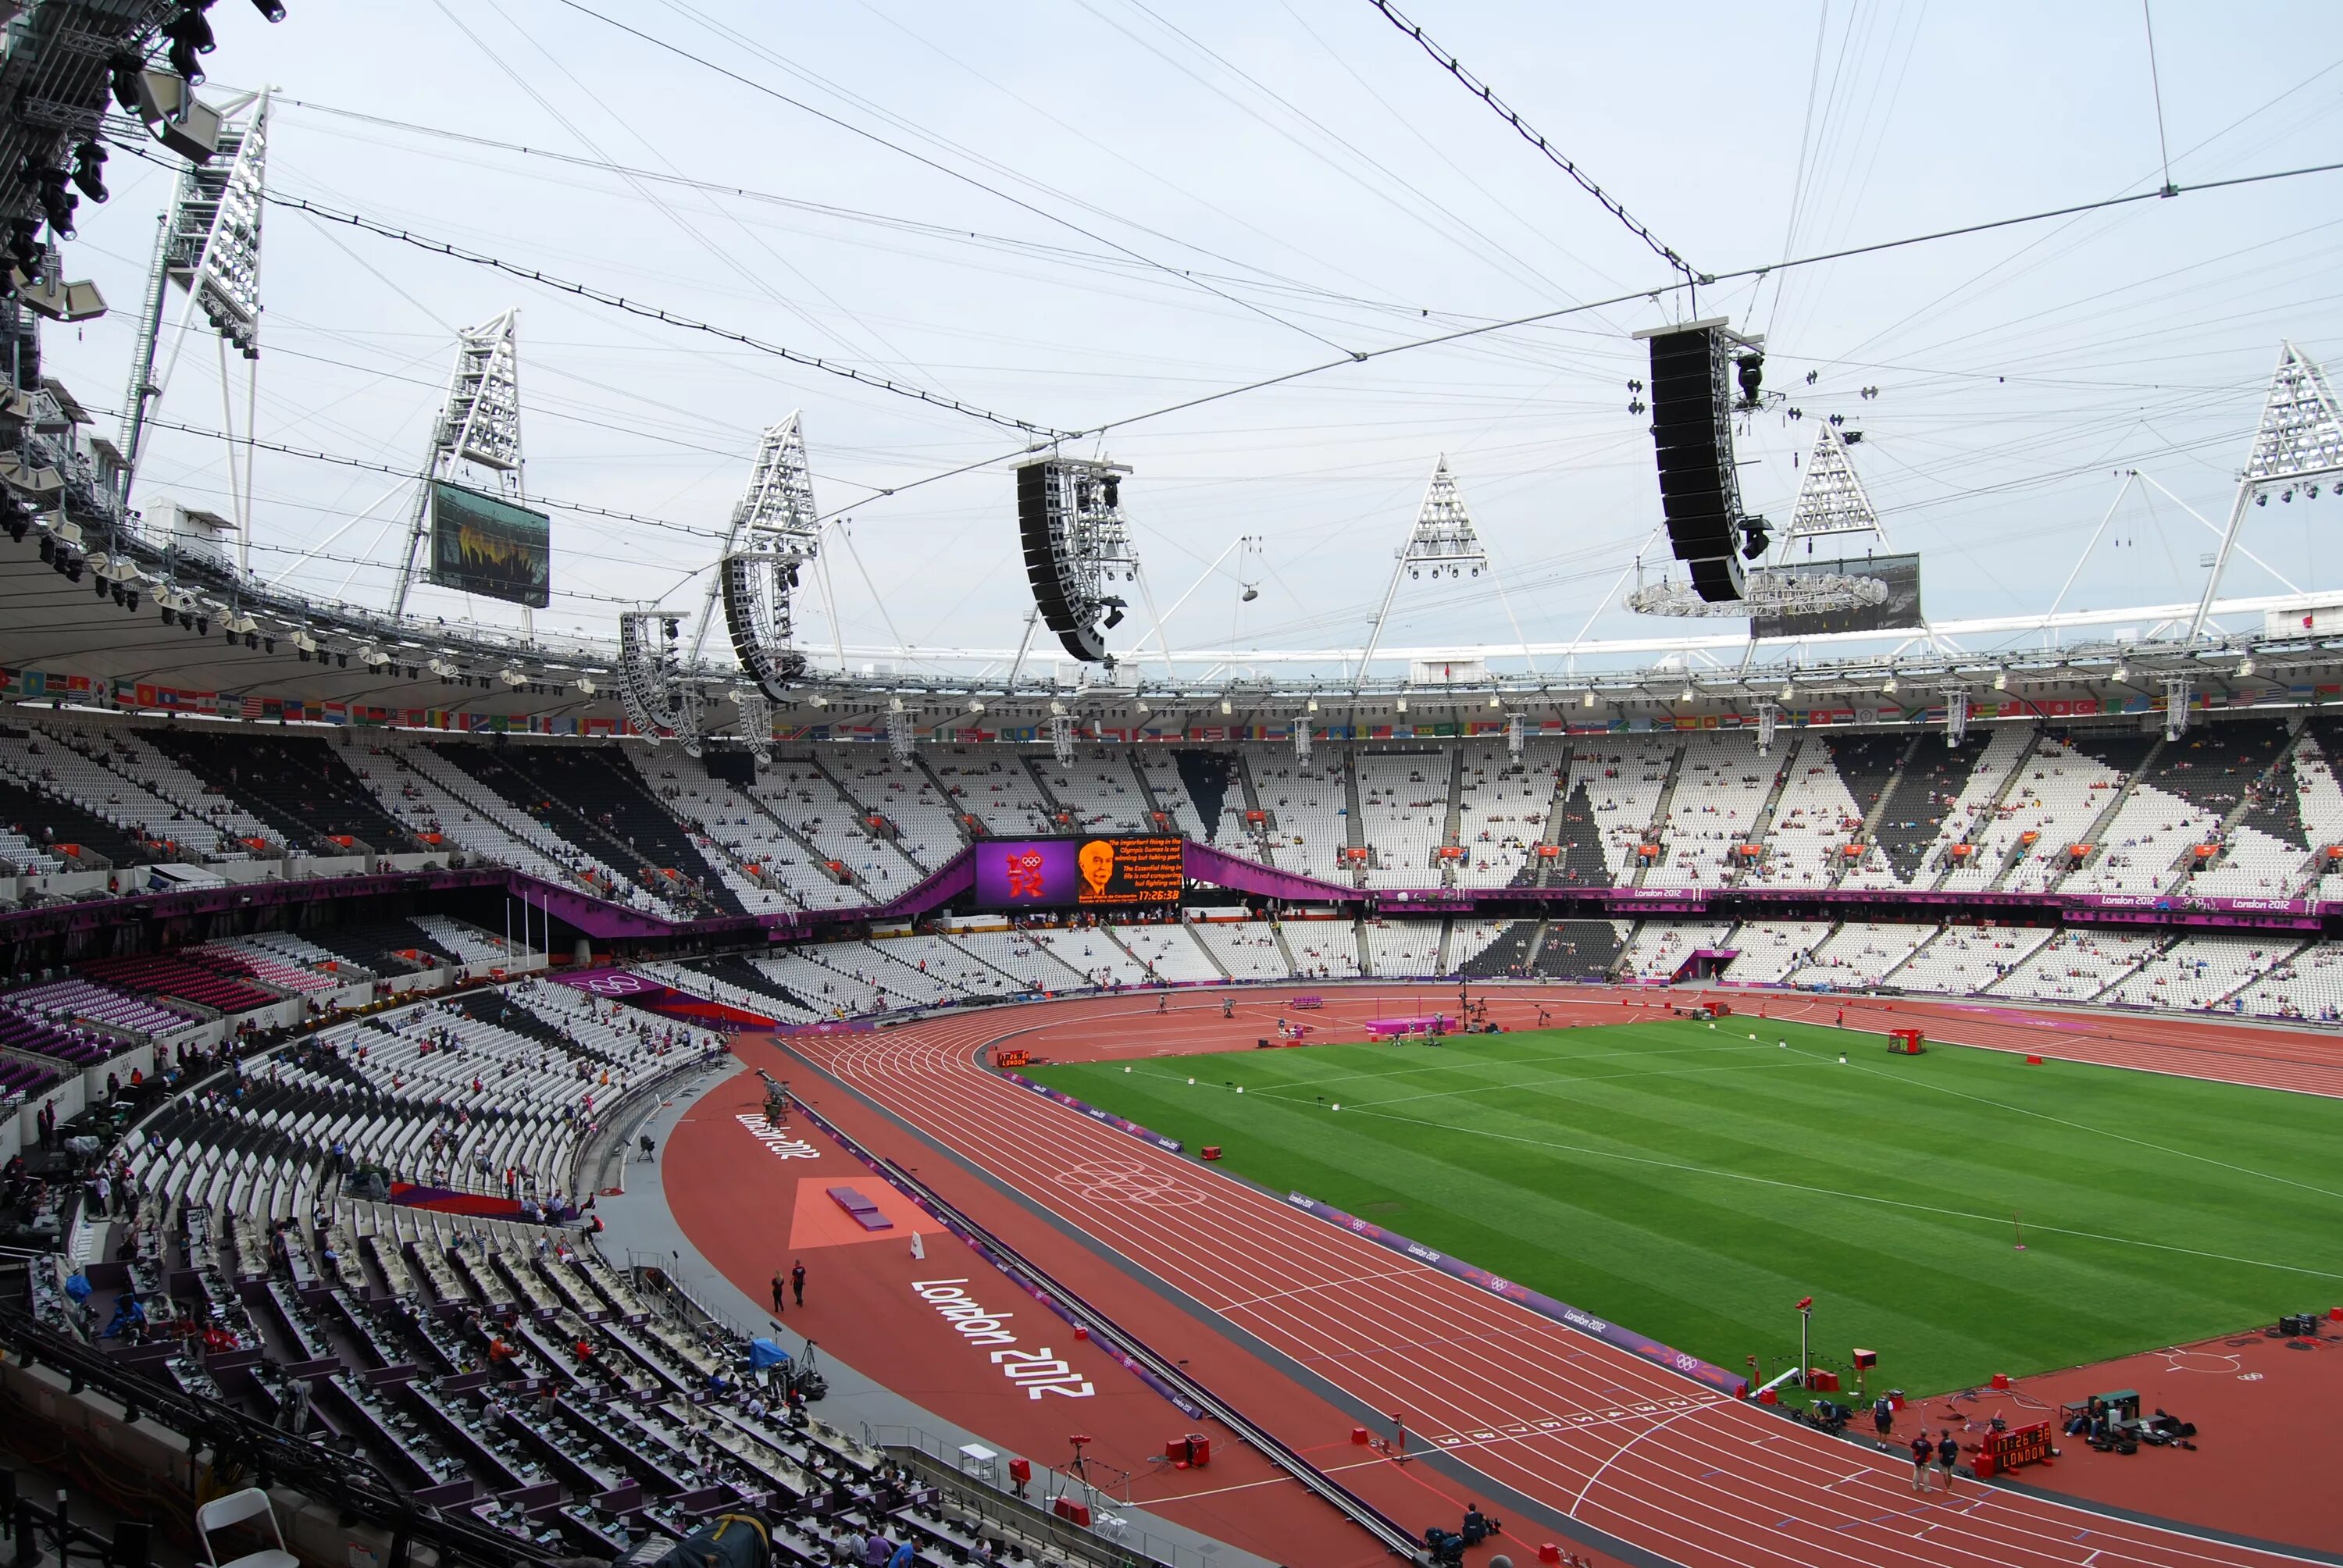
(25, 685)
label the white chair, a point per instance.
(235, 1509)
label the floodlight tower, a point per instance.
(479, 428)
(1832, 502)
(2299, 442)
(1443, 543)
(774, 531)
(209, 244)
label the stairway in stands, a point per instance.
(301, 787)
(1918, 799)
(1868, 765)
(592, 796)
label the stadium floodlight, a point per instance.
(479, 428)
(775, 531)
(2001, 680)
(1443, 542)
(2298, 439)
(1589, 700)
(2245, 666)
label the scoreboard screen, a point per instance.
(1106, 871)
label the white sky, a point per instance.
(1307, 159)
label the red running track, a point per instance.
(1610, 1439)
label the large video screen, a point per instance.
(1899, 610)
(489, 546)
(1101, 872)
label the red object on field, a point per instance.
(1211, 1151)
(1081, 1335)
(1821, 1382)
(1021, 1471)
(2020, 1445)
(1905, 1041)
(1192, 1452)
(1987, 1465)
(1072, 1512)
(1768, 1396)
(2335, 1314)
(2001, 1380)
(1549, 1552)
(1359, 1436)
(2033, 1061)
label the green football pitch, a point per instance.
(1693, 1183)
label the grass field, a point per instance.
(1693, 1183)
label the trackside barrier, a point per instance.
(1585, 1323)
(1108, 1119)
(1157, 1372)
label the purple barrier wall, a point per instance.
(1121, 1124)
(1206, 864)
(1610, 1333)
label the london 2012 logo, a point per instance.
(1024, 868)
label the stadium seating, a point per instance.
(1502, 808)
(1815, 819)
(1307, 805)
(992, 785)
(1768, 952)
(1404, 808)
(1620, 778)
(1858, 955)
(1965, 960)
(1168, 952)
(1323, 950)
(1404, 950)
(1246, 950)
(1099, 791)
(2075, 966)
(2198, 972)
(1721, 785)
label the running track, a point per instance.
(1612, 1440)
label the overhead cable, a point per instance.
(315, 456)
(1554, 155)
(942, 168)
(1584, 307)
(592, 295)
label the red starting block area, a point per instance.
(1434, 1023)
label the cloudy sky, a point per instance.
(1073, 212)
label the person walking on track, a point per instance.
(1948, 1454)
(1923, 1451)
(777, 1307)
(797, 1282)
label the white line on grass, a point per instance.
(2102, 1131)
(1993, 1220)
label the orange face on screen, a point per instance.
(1097, 861)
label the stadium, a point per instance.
(982, 910)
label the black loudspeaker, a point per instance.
(1068, 521)
(1051, 565)
(756, 614)
(1692, 435)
